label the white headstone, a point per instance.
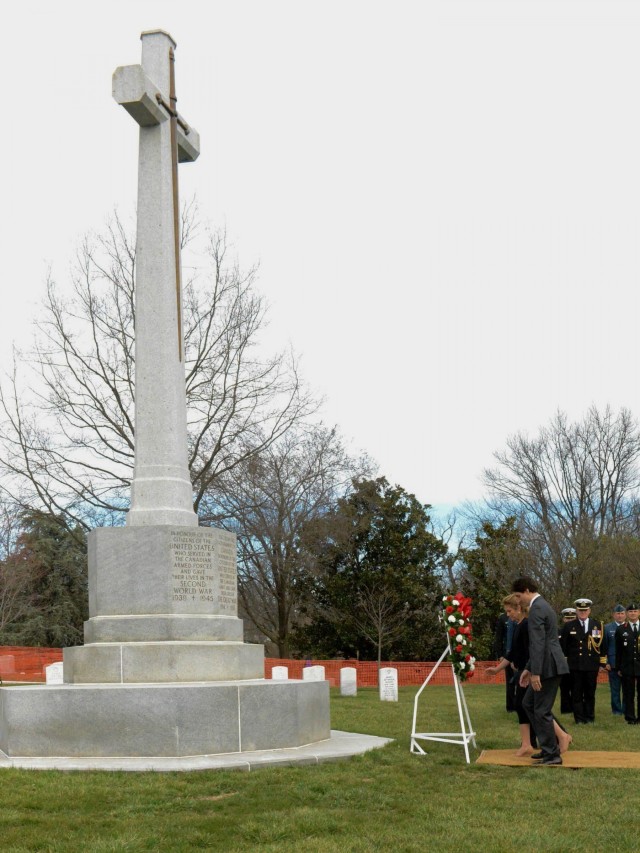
(388, 684)
(53, 673)
(280, 673)
(348, 681)
(313, 673)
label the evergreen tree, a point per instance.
(50, 564)
(376, 587)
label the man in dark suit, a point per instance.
(627, 662)
(545, 666)
(582, 641)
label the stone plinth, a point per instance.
(161, 719)
(179, 574)
(122, 663)
(162, 608)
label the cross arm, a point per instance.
(133, 90)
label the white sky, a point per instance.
(443, 196)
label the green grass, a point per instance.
(385, 800)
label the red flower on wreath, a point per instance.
(456, 615)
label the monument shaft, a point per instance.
(161, 491)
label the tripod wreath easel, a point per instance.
(466, 733)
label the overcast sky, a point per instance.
(442, 196)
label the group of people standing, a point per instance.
(538, 658)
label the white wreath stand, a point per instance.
(466, 732)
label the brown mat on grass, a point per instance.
(571, 759)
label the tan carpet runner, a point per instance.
(571, 760)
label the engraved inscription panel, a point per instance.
(203, 571)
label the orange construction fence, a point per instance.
(24, 663)
(409, 674)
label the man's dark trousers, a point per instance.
(539, 707)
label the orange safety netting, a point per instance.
(409, 674)
(24, 663)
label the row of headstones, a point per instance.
(388, 680)
(348, 678)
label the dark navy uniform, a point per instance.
(566, 705)
(585, 653)
(628, 665)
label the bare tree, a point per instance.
(452, 531)
(379, 616)
(68, 437)
(572, 486)
(268, 499)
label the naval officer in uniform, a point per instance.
(582, 641)
(628, 662)
(566, 705)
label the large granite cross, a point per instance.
(161, 491)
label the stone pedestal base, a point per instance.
(146, 663)
(162, 719)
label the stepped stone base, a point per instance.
(162, 719)
(152, 629)
(144, 663)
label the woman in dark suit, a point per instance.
(517, 659)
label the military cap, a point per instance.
(583, 603)
(568, 611)
(618, 609)
(633, 606)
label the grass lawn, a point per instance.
(385, 800)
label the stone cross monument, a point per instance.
(161, 489)
(164, 670)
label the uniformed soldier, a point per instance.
(628, 663)
(619, 615)
(566, 705)
(582, 641)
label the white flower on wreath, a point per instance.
(462, 664)
(455, 602)
(471, 667)
(460, 639)
(452, 618)
(460, 621)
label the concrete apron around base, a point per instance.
(339, 746)
(187, 719)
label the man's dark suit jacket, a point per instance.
(545, 655)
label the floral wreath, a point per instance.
(456, 614)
